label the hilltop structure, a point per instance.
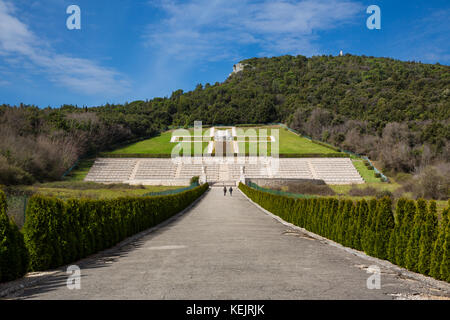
(238, 68)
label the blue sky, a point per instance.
(139, 49)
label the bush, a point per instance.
(13, 254)
(427, 239)
(432, 183)
(383, 194)
(383, 227)
(308, 188)
(195, 180)
(438, 250)
(365, 192)
(377, 175)
(58, 232)
(406, 238)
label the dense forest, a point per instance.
(396, 112)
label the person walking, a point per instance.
(231, 191)
(224, 191)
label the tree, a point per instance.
(360, 225)
(384, 227)
(427, 239)
(369, 232)
(395, 235)
(413, 250)
(404, 234)
(13, 255)
(445, 264)
(438, 250)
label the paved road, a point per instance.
(227, 248)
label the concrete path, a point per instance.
(227, 248)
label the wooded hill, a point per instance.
(397, 112)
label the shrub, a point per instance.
(432, 183)
(309, 188)
(437, 255)
(427, 239)
(377, 175)
(383, 194)
(406, 238)
(362, 192)
(13, 254)
(413, 249)
(195, 180)
(405, 215)
(58, 232)
(445, 264)
(383, 228)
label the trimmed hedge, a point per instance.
(134, 155)
(57, 232)
(326, 145)
(13, 253)
(411, 238)
(168, 155)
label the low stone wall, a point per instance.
(274, 183)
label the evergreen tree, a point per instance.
(353, 225)
(395, 235)
(445, 264)
(384, 227)
(344, 222)
(413, 249)
(13, 254)
(360, 225)
(369, 232)
(427, 239)
(392, 245)
(405, 230)
(436, 257)
(337, 221)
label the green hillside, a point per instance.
(395, 112)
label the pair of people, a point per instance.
(225, 191)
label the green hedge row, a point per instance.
(281, 155)
(313, 155)
(412, 238)
(134, 155)
(13, 254)
(57, 232)
(320, 143)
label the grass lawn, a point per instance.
(290, 143)
(366, 174)
(157, 145)
(80, 171)
(260, 148)
(379, 186)
(67, 189)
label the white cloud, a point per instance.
(205, 28)
(19, 43)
